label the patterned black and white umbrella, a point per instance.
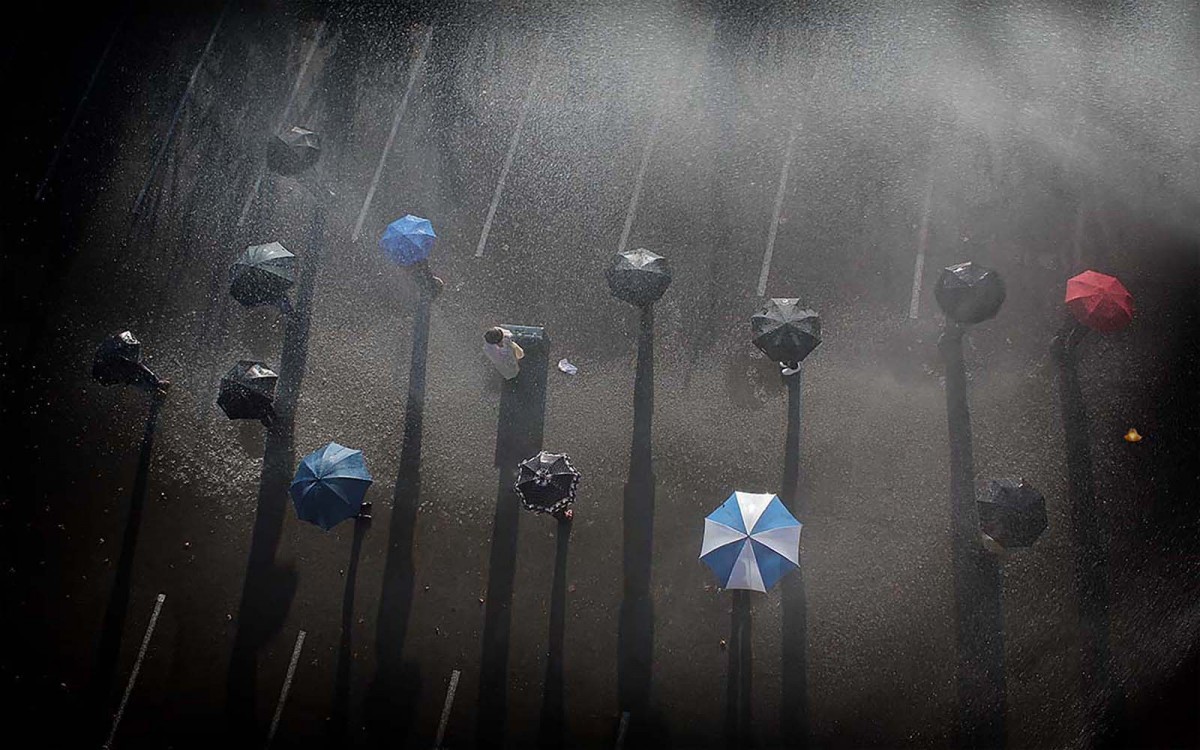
(547, 482)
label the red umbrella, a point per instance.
(1100, 302)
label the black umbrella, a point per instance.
(969, 293)
(547, 482)
(1011, 512)
(638, 277)
(293, 151)
(263, 275)
(785, 330)
(118, 361)
(248, 392)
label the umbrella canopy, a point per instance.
(408, 240)
(547, 482)
(248, 392)
(1099, 301)
(751, 541)
(293, 151)
(330, 484)
(262, 275)
(118, 360)
(638, 277)
(969, 293)
(1011, 512)
(785, 330)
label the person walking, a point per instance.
(504, 353)
(433, 285)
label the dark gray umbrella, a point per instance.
(969, 293)
(785, 330)
(248, 392)
(263, 275)
(1011, 512)
(638, 277)
(118, 361)
(293, 151)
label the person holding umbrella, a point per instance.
(407, 242)
(119, 362)
(547, 483)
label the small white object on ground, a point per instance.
(567, 367)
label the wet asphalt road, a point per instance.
(1047, 140)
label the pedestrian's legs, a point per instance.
(426, 279)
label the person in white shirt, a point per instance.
(789, 368)
(504, 353)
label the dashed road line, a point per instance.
(137, 667)
(418, 66)
(287, 685)
(187, 92)
(283, 119)
(512, 151)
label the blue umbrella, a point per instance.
(751, 541)
(408, 240)
(330, 484)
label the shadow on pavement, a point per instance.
(794, 709)
(1091, 576)
(268, 589)
(339, 716)
(550, 732)
(518, 436)
(738, 713)
(982, 699)
(635, 639)
(391, 697)
(101, 690)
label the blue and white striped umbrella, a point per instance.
(751, 541)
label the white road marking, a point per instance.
(287, 685)
(187, 92)
(66, 136)
(1077, 238)
(641, 178)
(512, 150)
(283, 119)
(621, 729)
(441, 731)
(137, 667)
(639, 181)
(914, 304)
(780, 192)
(418, 66)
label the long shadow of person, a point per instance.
(108, 650)
(738, 713)
(518, 436)
(550, 731)
(635, 637)
(268, 589)
(339, 716)
(1091, 579)
(794, 712)
(391, 695)
(981, 677)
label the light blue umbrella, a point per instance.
(751, 541)
(408, 240)
(330, 484)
